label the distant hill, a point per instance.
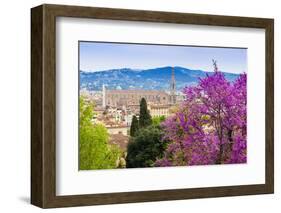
(150, 79)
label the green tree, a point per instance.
(94, 150)
(158, 120)
(134, 126)
(145, 117)
(145, 147)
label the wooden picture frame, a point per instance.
(43, 105)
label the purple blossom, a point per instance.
(210, 126)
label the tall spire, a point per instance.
(173, 87)
(173, 81)
(215, 65)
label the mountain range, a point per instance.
(149, 79)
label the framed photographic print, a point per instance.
(136, 106)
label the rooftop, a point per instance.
(135, 91)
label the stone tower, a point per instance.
(103, 96)
(173, 87)
(215, 65)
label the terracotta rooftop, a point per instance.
(119, 140)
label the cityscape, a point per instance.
(149, 106)
(115, 108)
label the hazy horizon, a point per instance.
(102, 56)
(151, 68)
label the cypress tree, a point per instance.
(134, 126)
(145, 117)
(145, 147)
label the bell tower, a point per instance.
(173, 87)
(103, 96)
(215, 65)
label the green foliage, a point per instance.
(134, 126)
(158, 120)
(145, 117)
(145, 147)
(94, 150)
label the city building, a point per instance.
(127, 98)
(159, 110)
(117, 98)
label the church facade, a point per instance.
(127, 98)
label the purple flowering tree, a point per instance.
(210, 126)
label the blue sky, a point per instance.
(97, 56)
